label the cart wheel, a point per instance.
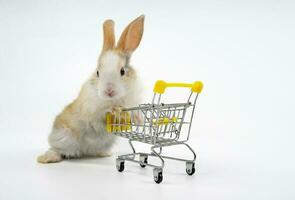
(120, 165)
(158, 175)
(190, 168)
(143, 159)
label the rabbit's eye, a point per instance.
(122, 71)
(97, 73)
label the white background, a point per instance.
(243, 134)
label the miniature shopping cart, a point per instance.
(158, 124)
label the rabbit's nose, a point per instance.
(110, 92)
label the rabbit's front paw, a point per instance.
(49, 157)
(117, 110)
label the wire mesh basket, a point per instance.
(157, 124)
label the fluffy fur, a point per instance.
(80, 130)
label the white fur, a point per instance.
(109, 74)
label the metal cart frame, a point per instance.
(157, 124)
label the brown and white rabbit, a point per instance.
(80, 129)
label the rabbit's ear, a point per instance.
(131, 36)
(108, 35)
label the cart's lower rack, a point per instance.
(158, 169)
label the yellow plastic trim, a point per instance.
(165, 121)
(174, 119)
(109, 122)
(124, 119)
(161, 85)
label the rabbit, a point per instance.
(80, 129)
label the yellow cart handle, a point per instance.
(160, 86)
